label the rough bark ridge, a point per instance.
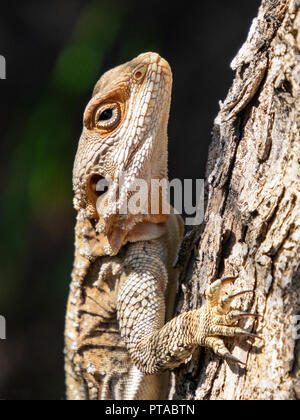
(251, 227)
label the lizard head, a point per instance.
(124, 138)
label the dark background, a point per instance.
(55, 51)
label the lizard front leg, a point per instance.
(153, 345)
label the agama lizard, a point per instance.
(121, 340)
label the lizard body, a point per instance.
(120, 336)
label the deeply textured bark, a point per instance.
(251, 227)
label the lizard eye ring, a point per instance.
(107, 116)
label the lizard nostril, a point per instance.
(140, 73)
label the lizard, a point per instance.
(120, 338)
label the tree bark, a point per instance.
(252, 218)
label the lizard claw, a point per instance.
(234, 359)
(225, 303)
(220, 319)
(249, 334)
(213, 291)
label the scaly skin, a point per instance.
(120, 338)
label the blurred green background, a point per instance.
(55, 52)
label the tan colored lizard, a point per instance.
(120, 337)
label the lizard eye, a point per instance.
(107, 116)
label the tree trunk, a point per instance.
(251, 227)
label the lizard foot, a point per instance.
(220, 319)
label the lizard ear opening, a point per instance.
(97, 186)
